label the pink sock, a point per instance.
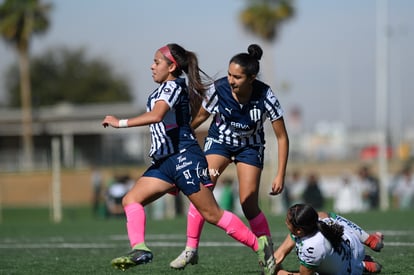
(236, 229)
(259, 225)
(136, 220)
(195, 224)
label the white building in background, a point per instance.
(85, 142)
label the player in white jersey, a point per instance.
(324, 245)
(178, 163)
(374, 241)
(240, 104)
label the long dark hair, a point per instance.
(198, 80)
(305, 217)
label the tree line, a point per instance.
(67, 75)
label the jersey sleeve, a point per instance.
(210, 102)
(273, 107)
(311, 254)
(169, 92)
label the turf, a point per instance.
(80, 244)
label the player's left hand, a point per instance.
(277, 187)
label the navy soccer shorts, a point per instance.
(251, 154)
(185, 170)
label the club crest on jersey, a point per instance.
(255, 114)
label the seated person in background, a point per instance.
(312, 194)
(113, 197)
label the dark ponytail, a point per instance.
(333, 232)
(198, 80)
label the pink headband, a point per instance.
(167, 53)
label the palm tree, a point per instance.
(19, 20)
(264, 17)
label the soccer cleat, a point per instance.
(375, 241)
(370, 265)
(133, 258)
(188, 256)
(265, 254)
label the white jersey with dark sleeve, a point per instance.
(173, 133)
(240, 125)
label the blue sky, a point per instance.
(326, 54)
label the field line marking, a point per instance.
(153, 244)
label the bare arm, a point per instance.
(155, 116)
(200, 118)
(280, 254)
(305, 271)
(284, 249)
(283, 153)
(302, 271)
(284, 272)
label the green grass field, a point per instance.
(31, 244)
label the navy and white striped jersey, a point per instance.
(240, 125)
(173, 133)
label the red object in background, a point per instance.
(371, 152)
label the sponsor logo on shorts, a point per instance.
(182, 163)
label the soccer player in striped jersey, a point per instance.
(240, 104)
(178, 163)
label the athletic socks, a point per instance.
(259, 225)
(236, 229)
(136, 221)
(195, 223)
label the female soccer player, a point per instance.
(178, 161)
(240, 104)
(324, 244)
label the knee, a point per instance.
(124, 201)
(127, 199)
(212, 216)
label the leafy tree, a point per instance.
(63, 75)
(264, 17)
(19, 20)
